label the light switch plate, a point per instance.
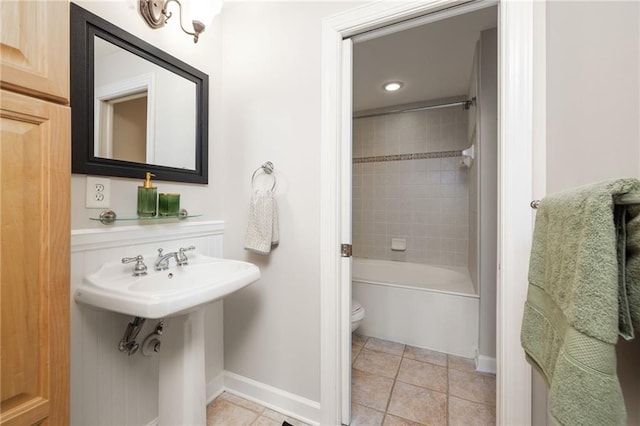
(98, 192)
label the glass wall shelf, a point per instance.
(107, 217)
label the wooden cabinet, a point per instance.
(34, 48)
(34, 213)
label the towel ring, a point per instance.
(267, 168)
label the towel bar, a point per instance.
(628, 199)
(623, 200)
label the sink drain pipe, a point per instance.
(128, 343)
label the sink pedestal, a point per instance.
(178, 294)
(182, 387)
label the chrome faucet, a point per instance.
(140, 268)
(162, 262)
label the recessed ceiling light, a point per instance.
(393, 86)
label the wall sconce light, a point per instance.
(156, 14)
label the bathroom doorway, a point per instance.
(515, 168)
(424, 241)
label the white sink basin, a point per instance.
(162, 294)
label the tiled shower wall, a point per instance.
(408, 183)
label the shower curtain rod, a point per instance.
(467, 104)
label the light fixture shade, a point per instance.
(204, 10)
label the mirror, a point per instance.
(134, 107)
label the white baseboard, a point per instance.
(289, 404)
(292, 405)
(215, 387)
(486, 364)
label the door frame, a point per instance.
(515, 191)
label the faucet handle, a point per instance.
(140, 268)
(182, 258)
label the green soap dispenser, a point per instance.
(147, 198)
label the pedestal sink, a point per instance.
(162, 294)
(178, 293)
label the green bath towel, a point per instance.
(583, 292)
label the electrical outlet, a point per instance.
(98, 191)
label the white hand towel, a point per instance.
(262, 229)
(275, 231)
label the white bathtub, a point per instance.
(431, 307)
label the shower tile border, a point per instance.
(401, 157)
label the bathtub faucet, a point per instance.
(162, 262)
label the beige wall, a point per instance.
(205, 55)
(268, 55)
(271, 110)
(592, 92)
(97, 396)
(593, 110)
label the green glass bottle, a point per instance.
(147, 198)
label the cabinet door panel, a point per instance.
(34, 260)
(34, 48)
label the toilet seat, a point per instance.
(357, 311)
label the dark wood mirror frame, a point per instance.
(84, 27)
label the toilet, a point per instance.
(357, 315)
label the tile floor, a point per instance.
(395, 384)
(231, 410)
(392, 385)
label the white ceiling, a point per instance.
(433, 61)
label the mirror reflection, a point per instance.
(143, 113)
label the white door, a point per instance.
(346, 161)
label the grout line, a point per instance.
(475, 402)
(240, 406)
(448, 395)
(395, 380)
(259, 413)
(448, 390)
(385, 413)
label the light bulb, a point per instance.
(204, 10)
(393, 86)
